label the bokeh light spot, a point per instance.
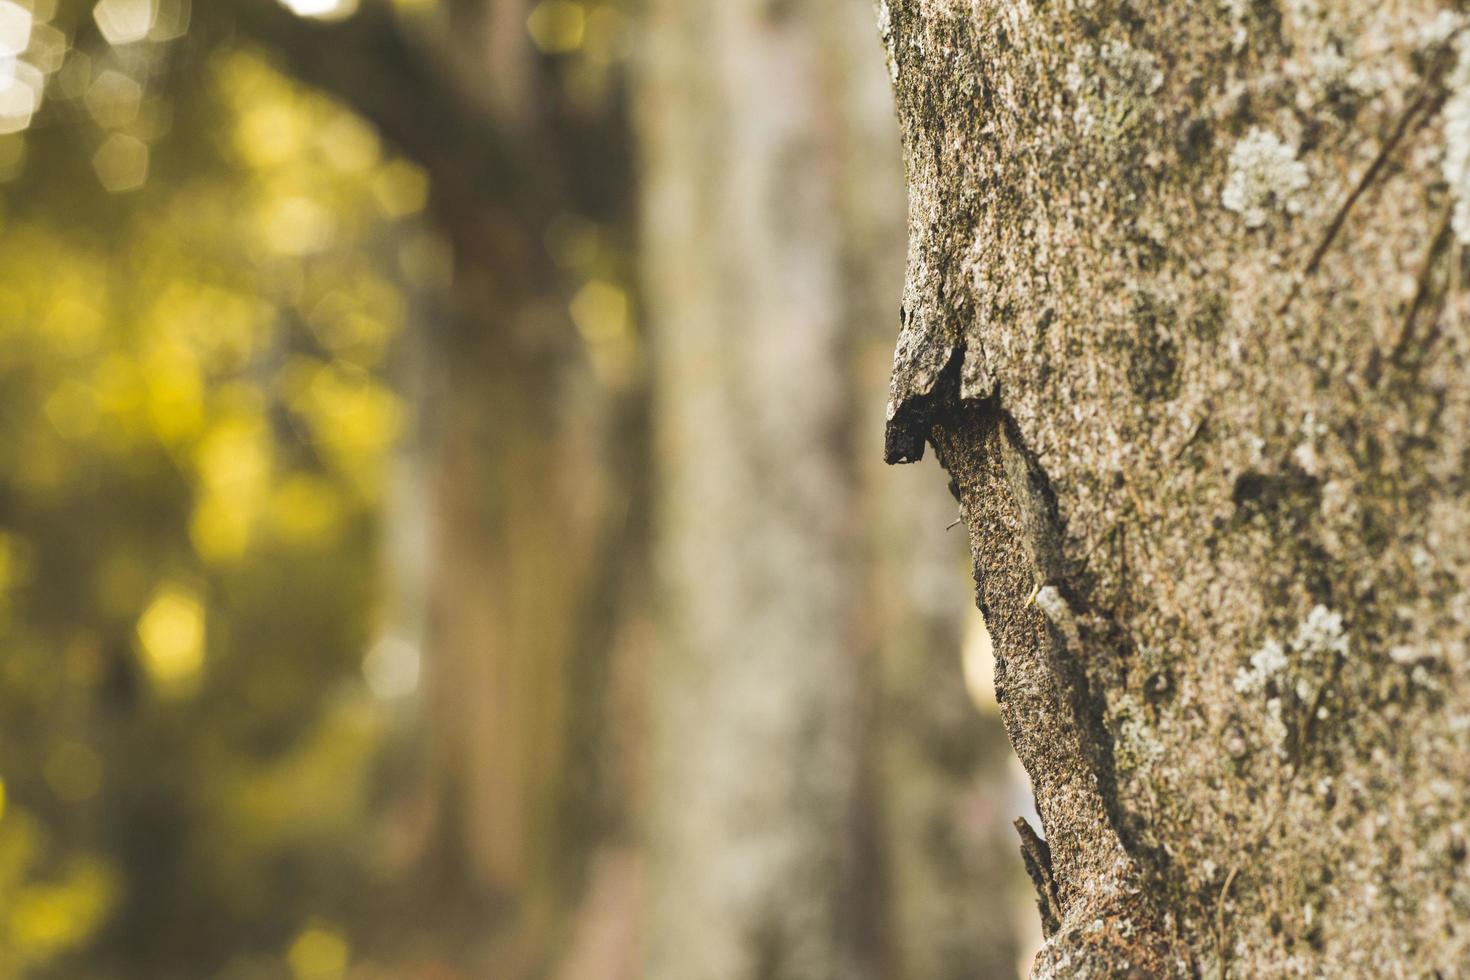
(47, 918)
(321, 9)
(121, 163)
(391, 668)
(170, 20)
(20, 96)
(304, 510)
(75, 76)
(600, 312)
(401, 189)
(297, 226)
(15, 28)
(349, 144)
(171, 637)
(318, 954)
(113, 99)
(557, 26)
(124, 21)
(47, 48)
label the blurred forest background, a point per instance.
(442, 527)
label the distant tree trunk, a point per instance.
(755, 756)
(813, 806)
(943, 770)
(537, 479)
(1183, 322)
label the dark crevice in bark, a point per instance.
(909, 429)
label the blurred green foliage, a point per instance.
(201, 283)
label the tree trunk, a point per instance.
(538, 526)
(817, 810)
(755, 756)
(1182, 321)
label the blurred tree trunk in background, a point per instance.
(536, 524)
(819, 775)
(754, 860)
(1183, 322)
(824, 795)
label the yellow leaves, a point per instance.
(314, 790)
(305, 510)
(222, 326)
(353, 418)
(15, 568)
(401, 189)
(174, 403)
(72, 410)
(348, 144)
(296, 226)
(73, 321)
(45, 913)
(171, 639)
(234, 462)
(300, 147)
(272, 131)
(202, 370)
(318, 953)
(357, 318)
(47, 918)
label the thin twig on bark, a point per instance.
(1379, 162)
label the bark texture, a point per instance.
(1182, 320)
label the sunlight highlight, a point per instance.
(318, 954)
(15, 29)
(171, 634)
(392, 668)
(20, 95)
(124, 21)
(121, 163)
(557, 26)
(321, 9)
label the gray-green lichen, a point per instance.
(1198, 266)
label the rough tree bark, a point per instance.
(1182, 321)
